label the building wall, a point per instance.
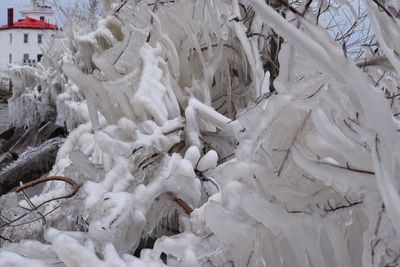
(17, 48)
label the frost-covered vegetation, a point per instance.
(192, 144)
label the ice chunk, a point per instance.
(208, 161)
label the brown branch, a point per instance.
(181, 203)
(372, 61)
(44, 180)
(206, 179)
(76, 186)
(176, 148)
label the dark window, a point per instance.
(39, 38)
(39, 57)
(10, 58)
(26, 58)
(41, 18)
(26, 38)
(10, 38)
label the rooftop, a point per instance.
(30, 23)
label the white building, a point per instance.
(20, 41)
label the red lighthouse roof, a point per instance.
(30, 23)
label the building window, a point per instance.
(10, 58)
(26, 38)
(26, 58)
(41, 18)
(10, 38)
(39, 57)
(39, 38)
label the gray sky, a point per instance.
(18, 5)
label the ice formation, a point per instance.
(176, 137)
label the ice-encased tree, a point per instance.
(183, 142)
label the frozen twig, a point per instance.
(350, 204)
(278, 173)
(44, 180)
(76, 186)
(120, 7)
(181, 203)
(33, 207)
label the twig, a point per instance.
(34, 220)
(181, 203)
(350, 204)
(73, 193)
(14, 220)
(306, 7)
(316, 92)
(291, 144)
(146, 162)
(120, 7)
(258, 101)
(33, 207)
(376, 147)
(207, 179)
(76, 186)
(380, 78)
(378, 223)
(251, 34)
(162, 2)
(382, 7)
(372, 61)
(374, 244)
(155, 7)
(5, 239)
(308, 212)
(347, 168)
(222, 160)
(288, 6)
(177, 147)
(44, 180)
(123, 50)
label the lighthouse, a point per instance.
(21, 40)
(38, 10)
